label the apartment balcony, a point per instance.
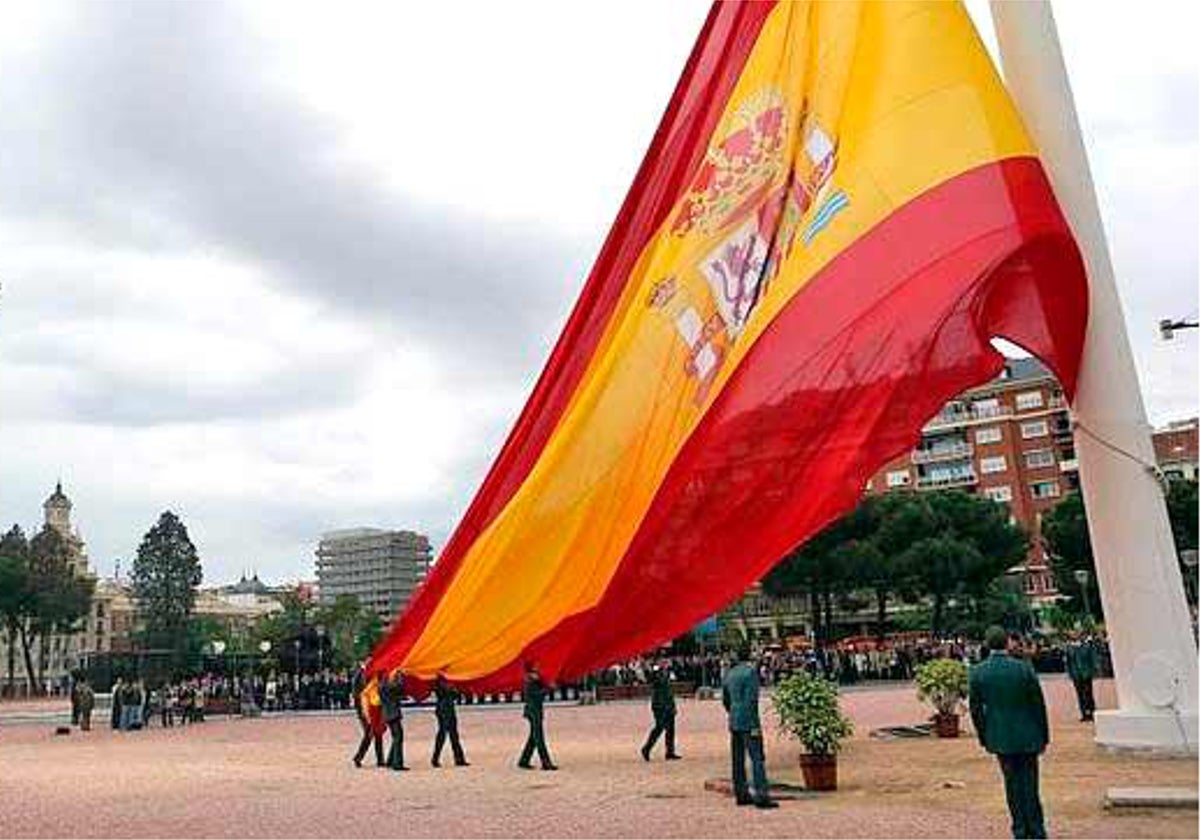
(1069, 465)
(952, 419)
(943, 453)
(945, 482)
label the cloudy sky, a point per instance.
(284, 268)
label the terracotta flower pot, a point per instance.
(820, 771)
(945, 724)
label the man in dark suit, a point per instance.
(369, 733)
(1082, 666)
(447, 720)
(662, 706)
(391, 696)
(1009, 714)
(739, 694)
(533, 693)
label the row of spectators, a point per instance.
(845, 663)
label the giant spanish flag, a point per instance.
(840, 209)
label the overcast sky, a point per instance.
(284, 268)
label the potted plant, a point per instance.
(942, 683)
(808, 710)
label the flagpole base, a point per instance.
(1158, 732)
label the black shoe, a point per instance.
(435, 762)
(400, 769)
(524, 766)
(744, 800)
(357, 762)
(549, 766)
(765, 804)
(462, 764)
(674, 757)
(645, 753)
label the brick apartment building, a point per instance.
(1177, 449)
(1009, 440)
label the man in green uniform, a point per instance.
(118, 693)
(662, 706)
(447, 720)
(391, 696)
(1082, 666)
(534, 695)
(369, 735)
(739, 694)
(1009, 714)
(87, 701)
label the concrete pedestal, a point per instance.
(1147, 731)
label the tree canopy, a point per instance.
(166, 573)
(1069, 546)
(942, 545)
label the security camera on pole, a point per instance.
(1141, 589)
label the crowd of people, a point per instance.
(849, 662)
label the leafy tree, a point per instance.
(14, 590)
(370, 631)
(938, 545)
(57, 598)
(165, 575)
(1182, 508)
(350, 628)
(1069, 549)
(1069, 546)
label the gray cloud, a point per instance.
(162, 135)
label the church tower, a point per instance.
(58, 516)
(58, 511)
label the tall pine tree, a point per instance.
(165, 575)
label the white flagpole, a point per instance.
(1146, 613)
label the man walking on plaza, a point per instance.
(662, 706)
(369, 733)
(533, 693)
(447, 721)
(1082, 666)
(391, 696)
(1009, 714)
(739, 694)
(86, 699)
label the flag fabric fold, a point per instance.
(839, 211)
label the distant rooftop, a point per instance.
(1025, 368)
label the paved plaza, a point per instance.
(290, 776)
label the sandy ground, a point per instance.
(291, 777)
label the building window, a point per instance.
(1044, 489)
(1029, 400)
(987, 408)
(1001, 493)
(1035, 458)
(1034, 428)
(993, 465)
(898, 478)
(989, 434)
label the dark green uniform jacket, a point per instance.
(391, 697)
(1082, 661)
(533, 693)
(1007, 707)
(739, 693)
(662, 698)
